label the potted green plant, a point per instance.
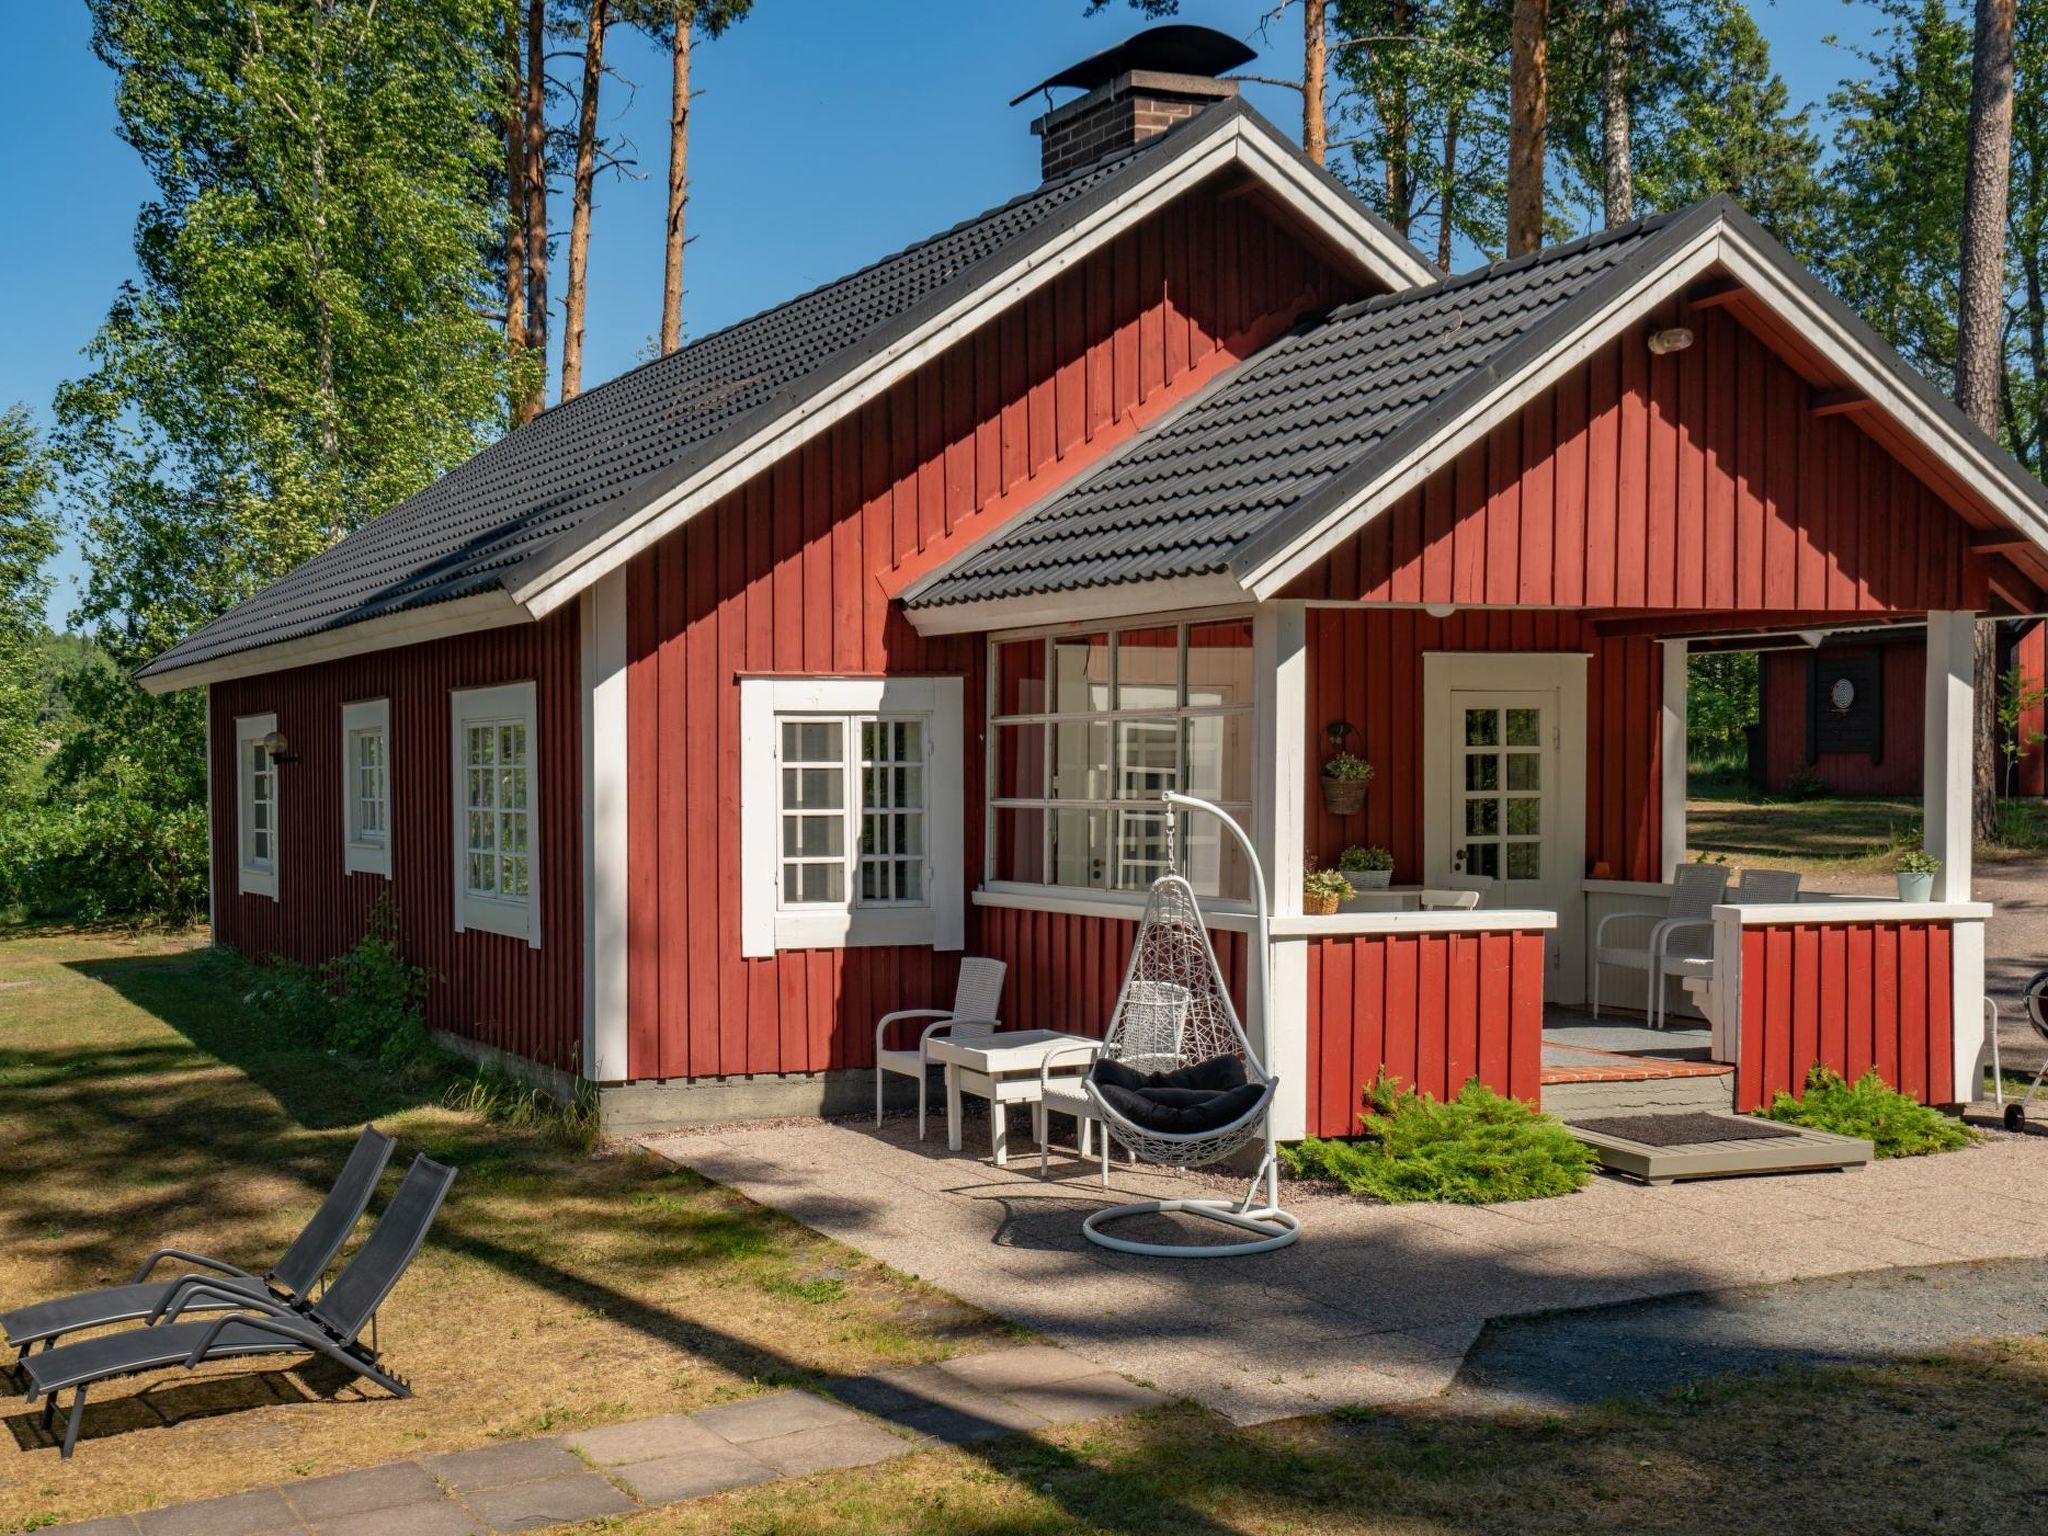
(1321, 890)
(1368, 869)
(1345, 774)
(1916, 870)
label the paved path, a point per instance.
(524, 1485)
(1570, 1359)
(1375, 1304)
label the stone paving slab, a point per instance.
(620, 1469)
(1375, 1304)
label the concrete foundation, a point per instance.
(640, 1109)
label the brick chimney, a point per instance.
(1141, 87)
(1120, 113)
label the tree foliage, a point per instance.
(28, 538)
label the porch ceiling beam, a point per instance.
(1840, 402)
(1999, 541)
(2008, 582)
(1714, 293)
(1676, 623)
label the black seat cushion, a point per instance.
(1187, 1101)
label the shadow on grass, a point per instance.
(167, 1404)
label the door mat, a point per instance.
(1682, 1130)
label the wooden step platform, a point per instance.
(1801, 1151)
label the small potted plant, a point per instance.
(1321, 890)
(1917, 869)
(1368, 869)
(1345, 774)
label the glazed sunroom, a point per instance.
(1486, 525)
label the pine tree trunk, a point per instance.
(1615, 149)
(1315, 133)
(1394, 114)
(1446, 197)
(1528, 112)
(515, 211)
(1980, 317)
(579, 219)
(678, 177)
(537, 199)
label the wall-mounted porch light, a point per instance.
(1439, 610)
(1676, 339)
(278, 748)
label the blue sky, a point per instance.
(825, 133)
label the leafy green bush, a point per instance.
(117, 856)
(1896, 1125)
(378, 998)
(1472, 1150)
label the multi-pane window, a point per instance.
(1501, 792)
(850, 813)
(496, 813)
(496, 802)
(366, 786)
(1090, 729)
(853, 810)
(256, 806)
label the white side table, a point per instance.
(1002, 1068)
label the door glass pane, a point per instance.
(1525, 727)
(1482, 727)
(1525, 817)
(1525, 861)
(1482, 818)
(1148, 668)
(1482, 770)
(1483, 859)
(1220, 664)
(1080, 665)
(1525, 770)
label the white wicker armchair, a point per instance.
(977, 1002)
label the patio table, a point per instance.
(1004, 1069)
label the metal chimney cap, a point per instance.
(1175, 49)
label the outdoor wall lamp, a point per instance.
(279, 749)
(1676, 339)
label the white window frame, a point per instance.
(1111, 718)
(766, 923)
(254, 877)
(515, 917)
(364, 852)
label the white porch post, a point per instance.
(605, 830)
(1671, 732)
(1279, 828)
(1946, 776)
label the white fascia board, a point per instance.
(1595, 330)
(1236, 144)
(486, 610)
(1962, 451)
(1122, 601)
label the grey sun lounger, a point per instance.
(331, 1326)
(290, 1280)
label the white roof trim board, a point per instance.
(489, 555)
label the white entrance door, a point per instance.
(1505, 799)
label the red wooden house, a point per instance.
(1844, 713)
(714, 713)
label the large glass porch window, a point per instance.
(1089, 730)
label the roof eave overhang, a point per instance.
(1079, 605)
(1241, 140)
(463, 615)
(1723, 239)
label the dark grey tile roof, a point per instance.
(1320, 409)
(568, 472)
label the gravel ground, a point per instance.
(1570, 1359)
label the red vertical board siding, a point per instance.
(786, 575)
(1698, 481)
(1781, 685)
(1365, 666)
(2030, 776)
(1851, 996)
(1431, 1009)
(486, 987)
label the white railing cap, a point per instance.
(1874, 909)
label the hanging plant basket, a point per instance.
(1343, 797)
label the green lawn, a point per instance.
(143, 1104)
(1830, 834)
